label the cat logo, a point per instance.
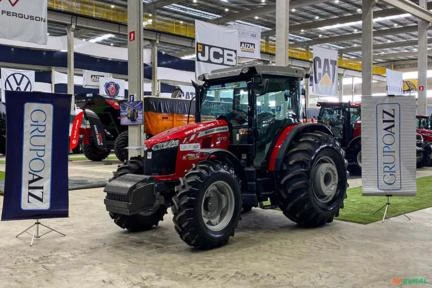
(324, 71)
(216, 55)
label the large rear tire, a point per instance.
(207, 207)
(314, 180)
(354, 159)
(142, 221)
(94, 153)
(120, 145)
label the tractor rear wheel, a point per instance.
(142, 221)
(120, 145)
(314, 180)
(94, 153)
(207, 207)
(354, 159)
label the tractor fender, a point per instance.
(96, 127)
(286, 137)
(227, 156)
(353, 142)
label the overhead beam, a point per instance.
(392, 56)
(158, 4)
(269, 8)
(352, 36)
(116, 28)
(385, 45)
(412, 8)
(338, 20)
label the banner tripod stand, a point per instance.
(36, 234)
(386, 207)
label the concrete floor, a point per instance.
(267, 251)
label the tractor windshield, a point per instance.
(227, 99)
(423, 123)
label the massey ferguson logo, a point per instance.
(216, 55)
(12, 2)
(112, 89)
(247, 47)
(18, 82)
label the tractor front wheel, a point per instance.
(207, 207)
(142, 221)
(120, 145)
(314, 182)
(94, 153)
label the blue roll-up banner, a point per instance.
(36, 184)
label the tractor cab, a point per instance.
(257, 102)
(342, 118)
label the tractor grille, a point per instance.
(162, 162)
(117, 197)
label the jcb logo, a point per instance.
(216, 55)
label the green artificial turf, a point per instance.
(360, 209)
(2, 176)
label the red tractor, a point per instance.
(344, 121)
(245, 149)
(424, 128)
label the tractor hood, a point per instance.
(188, 133)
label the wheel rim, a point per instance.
(218, 206)
(359, 161)
(325, 179)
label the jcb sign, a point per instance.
(216, 55)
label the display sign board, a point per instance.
(394, 82)
(249, 41)
(24, 20)
(325, 71)
(389, 145)
(16, 80)
(113, 88)
(91, 79)
(37, 179)
(131, 113)
(215, 46)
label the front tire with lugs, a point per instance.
(314, 180)
(207, 207)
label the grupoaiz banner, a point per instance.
(37, 171)
(215, 46)
(325, 71)
(16, 80)
(388, 145)
(24, 20)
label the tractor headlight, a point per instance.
(166, 145)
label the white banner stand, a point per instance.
(36, 234)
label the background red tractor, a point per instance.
(246, 149)
(424, 128)
(344, 121)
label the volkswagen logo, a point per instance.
(18, 82)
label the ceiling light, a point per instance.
(336, 1)
(101, 38)
(378, 19)
(256, 17)
(194, 1)
(150, 14)
(112, 6)
(302, 30)
(316, 17)
(192, 12)
(395, 25)
(320, 35)
(181, 22)
(63, 50)
(112, 44)
(359, 10)
(389, 41)
(355, 45)
(263, 1)
(355, 30)
(226, 9)
(293, 10)
(188, 57)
